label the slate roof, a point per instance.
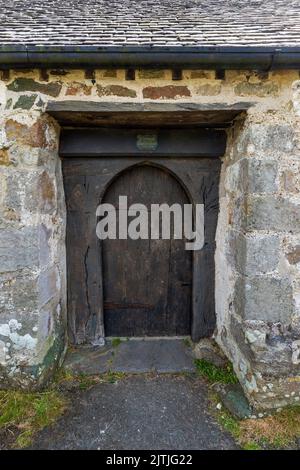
(150, 23)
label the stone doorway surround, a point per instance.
(258, 236)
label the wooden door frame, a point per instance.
(181, 152)
(188, 172)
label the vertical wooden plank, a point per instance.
(204, 317)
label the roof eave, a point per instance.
(218, 57)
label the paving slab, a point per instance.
(151, 412)
(133, 356)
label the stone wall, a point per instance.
(258, 254)
(32, 249)
(258, 239)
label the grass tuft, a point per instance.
(281, 430)
(23, 414)
(84, 381)
(112, 377)
(278, 430)
(216, 374)
(251, 446)
(115, 342)
(229, 423)
(29, 412)
(187, 342)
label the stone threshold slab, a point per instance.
(132, 356)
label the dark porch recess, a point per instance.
(118, 137)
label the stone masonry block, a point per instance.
(19, 248)
(38, 135)
(116, 90)
(32, 190)
(273, 213)
(209, 89)
(236, 177)
(150, 74)
(25, 102)
(166, 92)
(18, 297)
(251, 255)
(28, 84)
(48, 285)
(290, 177)
(77, 88)
(41, 194)
(4, 157)
(261, 89)
(264, 298)
(266, 139)
(252, 175)
(261, 175)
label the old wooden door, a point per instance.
(139, 287)
(147, 283)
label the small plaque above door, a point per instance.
(147, 142)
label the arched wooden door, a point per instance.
(147, 283)
(140, 286)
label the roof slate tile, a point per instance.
(150, 22)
